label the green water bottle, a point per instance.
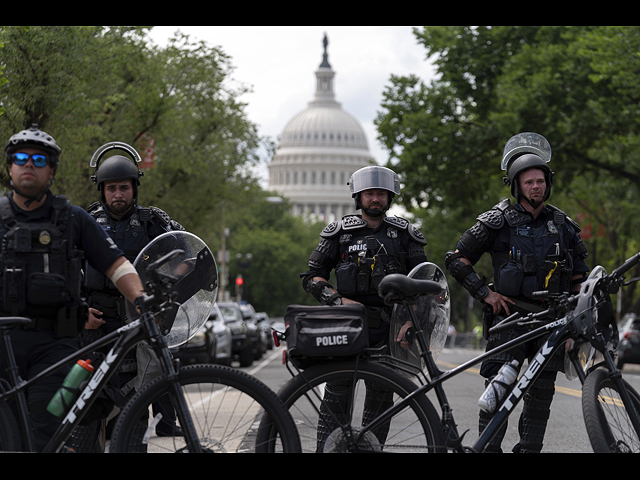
(64, 398)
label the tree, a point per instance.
(575, 85)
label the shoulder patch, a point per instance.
(404, 224)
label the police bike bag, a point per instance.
(325, 332)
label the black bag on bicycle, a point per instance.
(317, 333)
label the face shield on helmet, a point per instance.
(522, 152)
(116, 167)
(526, 142)
(374, 177)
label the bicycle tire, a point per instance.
(607, 420)
(10, 440)
(226, 405)
(417, 428)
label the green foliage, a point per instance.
(575, 85)
(91, 85)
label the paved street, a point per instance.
(566, 430)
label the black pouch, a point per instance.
(510, 280)
(347, 279)
(47, 289)
(320, 333)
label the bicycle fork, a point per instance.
(172, 369)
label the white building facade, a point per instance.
(318, 151)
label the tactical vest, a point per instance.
(538, 257)
(365, 257)
(130, 236)
(40, 264)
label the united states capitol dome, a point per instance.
(318, 150)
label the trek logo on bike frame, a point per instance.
(539, 360)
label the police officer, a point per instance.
(363, 249)
(534, 246)
(131, 227)
(45, 240)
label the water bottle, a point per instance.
(69, 391)
(496, 389)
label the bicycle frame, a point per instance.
(125, 339)
(560, 333)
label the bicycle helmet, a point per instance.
(376, 176)
(34, 138)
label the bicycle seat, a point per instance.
(396, 287)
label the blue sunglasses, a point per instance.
(23, 158)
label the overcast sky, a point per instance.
(279, 63)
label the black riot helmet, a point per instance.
(116, 167)
(523, 152)
(371, 177)
(34, 138)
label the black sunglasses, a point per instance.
(22, 158)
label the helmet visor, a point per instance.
(526, 142)
(374, 177)
(99, 153)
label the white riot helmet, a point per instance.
(522, 152)
(374, 177)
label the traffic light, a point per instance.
(239, 282)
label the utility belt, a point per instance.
(68, 323)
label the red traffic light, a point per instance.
(239, 280)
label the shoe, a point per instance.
(169, 431)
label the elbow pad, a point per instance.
(321, 291)
(466, 276)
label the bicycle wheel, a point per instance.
(330, 403)
(607, 420)
(226, 406)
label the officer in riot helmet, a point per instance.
(534, 246)
(42, 281)
(131, 227)
(362, 249)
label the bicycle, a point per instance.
(218, 407)
(411, 423)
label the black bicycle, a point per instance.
(218, 408)
(373, 402)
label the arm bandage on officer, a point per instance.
(124, 269)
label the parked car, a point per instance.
(259, 335)
(222, 333)
(265, 324)
(243, 335)
(629, 347)
(201, 348)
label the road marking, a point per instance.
(567, 391)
